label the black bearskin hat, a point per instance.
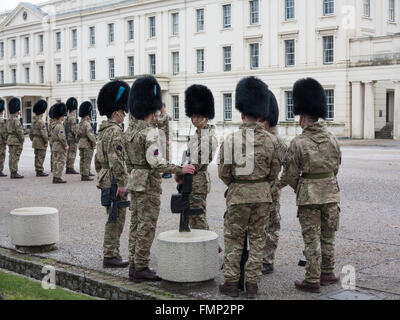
(309, 98)
(40, 107)
(273, 115)
(59, 110)
(51, 112)
(252, 97)
(144, 97)
(199, 100)
(72, 104)
(85, 109)
(113, 97)
(2, 102)
(14, 105)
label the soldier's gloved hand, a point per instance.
(121, 191)
(188, 169)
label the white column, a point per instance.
(396, 115)
(369, 111)
(357, 117)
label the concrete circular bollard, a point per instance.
(34, 230)
(188, 256)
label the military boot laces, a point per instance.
(41, 174)
(2, 175)
(229, 289)
(16, 175)
(115, 262)
(328, 279)
(58, 181)
(308, 287)
(86, 178)
(145, 275)
(251, 290)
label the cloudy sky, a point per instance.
(11, 4)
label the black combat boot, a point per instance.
(71, 171)
(115, 262)
(145, 275)
(229, 289)
(2, 175)
(41, 174)
(329, 278)
(251, 290)
(86, 178)
(267, 268)
(16, 175)
(166, 176)
(306, 286)
(58, 181)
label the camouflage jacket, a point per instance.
(15, 133)
(203, 146)
(132, 123)
(87, 139)
(259, 164)
(147, 162)
(38, 134)
(161, 121)
(52, 124)
(58, 137)
(3, 132)
(110, 156)
(73, 134)
(315, 151)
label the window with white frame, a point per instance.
(131, 66)
(13, 48)
(1, 49)
(92, 65)
(27, 75)
(58, 41)
(330, 99)
(58, 71)
(226, 9)
(131, 30)
(254, 55)
(289, 9)
(200, 19)
(175, 62)
(392, 12)
(367, 8)
(74, 38)
(41, 74)
(111, 68)
(74, 72)
(92, 36)
(111, 33)
(289, 106)
(152, 63)
(14, 75)
(328, 49)
(175, 108)
(227, 106)
(26, 46)
(289, 53)
(227, 52)
(41, 43)
(152, 27)
(1, 77)
(175, 23)
(329, 7)
(200, 60)
(254, 11)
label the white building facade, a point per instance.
(65, 48)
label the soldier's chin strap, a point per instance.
(119, 115)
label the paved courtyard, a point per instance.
(368, 239)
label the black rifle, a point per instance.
(109, 199)
(67, 129)
(243, 260)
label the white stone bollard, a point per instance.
(188, 256)
(34, 228)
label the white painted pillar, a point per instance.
(369, 111)
(357, 116)
(396, 116)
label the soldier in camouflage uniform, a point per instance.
(51, 124)
(60, 146)
(144, 182)
(199, 106)
(110, 162)
(3, 139)
(161, 121)
(73, 135)
(39, 137)
(87, 140)
(248, 197)
(15, 137)
(273, 227)
(312, 165)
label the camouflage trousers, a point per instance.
(13, 159)
(71, 156)
(272, 233)
(238, 218)
(145, 209)
(112, 233)
(318, 226)
(40, 156)
(85, 156)
(51, 157)
(198, 201)
(2, 156)
(59, 163)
